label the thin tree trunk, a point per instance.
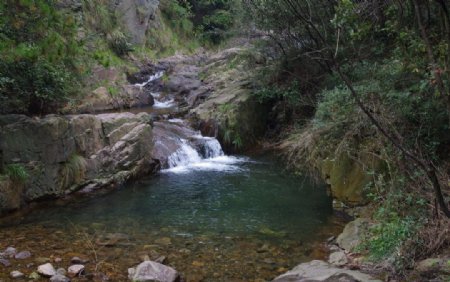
(427, 168)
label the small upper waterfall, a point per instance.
(153, 77)
(177, 146)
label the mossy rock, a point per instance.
(348, 177)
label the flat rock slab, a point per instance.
(320, 271)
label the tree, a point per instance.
(336, 35)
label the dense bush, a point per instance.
(38, 56)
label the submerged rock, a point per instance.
(16, 274)
(9, 252)
(75, 270)
(46, 270)
(5, 262)
(152, 271)
(59, 278)
(23, 255)
(34, 276)
(319, 271)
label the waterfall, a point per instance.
(153, 77)
(210, 147)
(185, 155)
(201, 153)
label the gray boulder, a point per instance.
(152, 271)
(320, 271)
(46, 270)
(352, 234)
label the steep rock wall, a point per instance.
(62, 154)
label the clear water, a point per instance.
(237, 205)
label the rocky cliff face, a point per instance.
(62, 154)
(135, 16)
(216, 92)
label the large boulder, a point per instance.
(152, 271)
(62, 154)
(320, 271)
(352, 234)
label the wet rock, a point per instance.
(23, 255)
(320, 271)
(16, 274)
(46, 270)
(197, 263)
(338, 258)
(264, 248)
(163, 241)
(42, 260)
(75, 270)
(58, 260)
(61, 271)
(5, 262)
(113, 239)
(352, 234)
(9, 252)
(152, 271)
(78, 260)
(59, 278)
(34, 276)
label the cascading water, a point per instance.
(153, 77)
(184, 155)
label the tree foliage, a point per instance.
(38, 56)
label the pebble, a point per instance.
(161, 259)
(5, 262)
(34, 276)
(46, 270)
(198, 263)
(77, 260)
(75, 269)
(59, 278)
(23, 255)
(16, 274)
(10, 252)
(61, 271)
(163, 241)
(42, 260)
(58, 260)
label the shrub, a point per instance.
(16, 172)
(73, 171)
(33, 86)
(38, 56)
(119, 43)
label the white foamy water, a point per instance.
(154, 77)
(185, 155)
(175, 120)
(187, 158)
(167, 104)
(222, 163)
